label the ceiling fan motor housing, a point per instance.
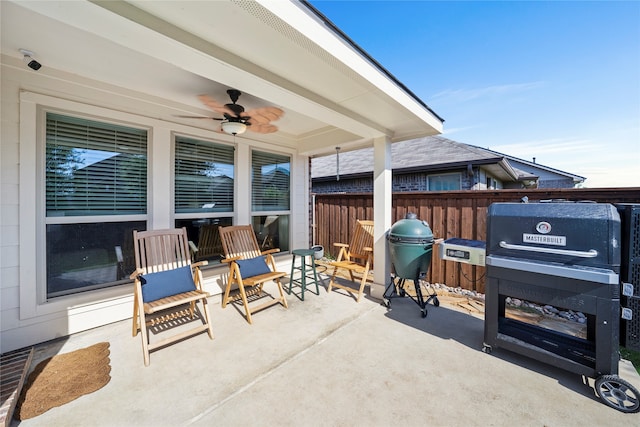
(237, 110)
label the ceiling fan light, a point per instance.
(234, 128)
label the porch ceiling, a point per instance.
(276, 52)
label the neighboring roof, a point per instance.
(423, 154)
(528, 164)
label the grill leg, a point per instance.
(419, 299)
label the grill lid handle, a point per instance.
(591, 253)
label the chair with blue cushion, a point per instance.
(167, 286)
(249, 269)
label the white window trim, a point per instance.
(33, 299)
(160, 212)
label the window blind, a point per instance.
(270, 186)
(94, 168)
(203, 176)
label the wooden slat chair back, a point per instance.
(356, 258)
(240, 244)
(209, 244)
(172, 298)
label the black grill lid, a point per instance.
(586, 234)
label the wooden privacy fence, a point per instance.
(460, 214)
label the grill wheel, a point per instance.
(618, 393)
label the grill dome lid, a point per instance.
(410, 230)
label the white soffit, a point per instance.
(290, 42)
(275, 52)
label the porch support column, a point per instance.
(243, 184)
(381, 214)
(161, 198)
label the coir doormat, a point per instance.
(63, 378)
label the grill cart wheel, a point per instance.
(618, 393)
(424, 313)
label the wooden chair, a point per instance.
(209, 244)
(249, 267)
(167, 288)
(270, 222)
(356, 258)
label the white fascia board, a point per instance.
(303, 21)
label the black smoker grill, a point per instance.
(410, 246)
(561, 256)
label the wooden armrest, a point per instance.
(367, 249)
(231, 259)
(341, 245)
(136, 273)
(270, 251)
(200, 263)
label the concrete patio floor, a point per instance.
(329, 361)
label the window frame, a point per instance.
(457, 174)
(257, 212)
(34, 301)
(202, 215)
(82, 219)
(265, 213)
(94, 305)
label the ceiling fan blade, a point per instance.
(215, 105)
(262, 128)
(264, 115)
(197, 117)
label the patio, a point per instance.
(330, 361)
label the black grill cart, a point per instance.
(559, 256)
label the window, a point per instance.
(96, 195)
(270, 182)
(272, 231)
(446, 182)
(203, 176)
(204, 197)
(270, 196)
(492, 184)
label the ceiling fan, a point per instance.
(236, 120)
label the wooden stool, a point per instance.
(302, 281)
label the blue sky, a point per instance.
(554, 80)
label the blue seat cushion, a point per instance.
(166, 283)
(253, 266)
